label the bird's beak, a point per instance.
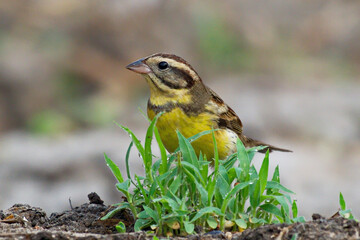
(139, 67)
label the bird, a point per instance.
(190, 107)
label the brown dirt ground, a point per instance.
(22, 221)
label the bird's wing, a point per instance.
(227, 118)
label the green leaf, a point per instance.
(120, 227)
(216, 152)
(222, 185)
(277, 186)
(271, 208)
(127, 160)
(152, 213)
(232, 193)
(285, 206)
(299, 219)
(172, 203)
(123, 186)
(294, 209)
(244, 160)
(135, 140)
(342, 202)
(114, 169)
(255, 195)
(189, 227)
(211, 221)
(163, 166)
(203, 193)
(241, 223)
(263, 173)
(188, 152)
(194, 169)
(116, 210)
(143, 192)
(294, 237)
(147, 151)
(276, 175)
(141, 223)
(206, 210)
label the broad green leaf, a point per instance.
(211, 221)
(114, 169)
(189, 227)
(241, 223)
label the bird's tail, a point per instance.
(249, 142)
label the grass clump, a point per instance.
(181, 192)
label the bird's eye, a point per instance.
(163, 65)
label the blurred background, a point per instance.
(290, 69)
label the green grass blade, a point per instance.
(147, 150)
(342, 202)
(271, 208)
(294, 209)
(263, 173)
(188, 152)
(276, 175)
(135, 140)
(152, 213)
(232, 193)
(114, 169)
(163, 166)
(216, 153)
(127, 160)
(244, 160)
(278, 186)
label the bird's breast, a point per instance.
(190, 125)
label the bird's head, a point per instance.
(167, 74)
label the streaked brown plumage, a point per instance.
(190, 106)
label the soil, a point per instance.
(22, 221)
